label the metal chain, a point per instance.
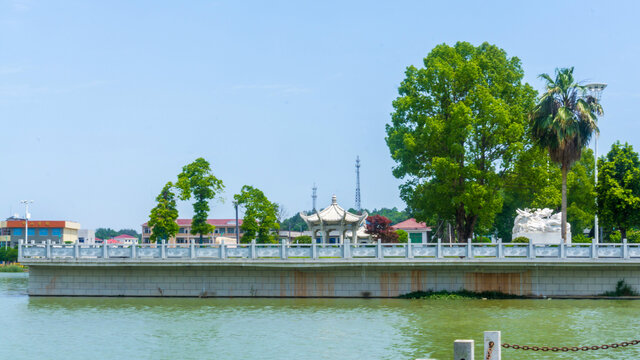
(491, 343)
(573, 348)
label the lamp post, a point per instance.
(26, 218)
(235, 203)
(595, 89)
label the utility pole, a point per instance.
(595, 90)
(26, 218)
(235, 203)
(358, 204)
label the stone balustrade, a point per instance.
(494, 252)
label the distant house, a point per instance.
(418, 231)
(123, 239)
(224, 228)
(39, 231)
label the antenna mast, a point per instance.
(314, 195)
(358, 205)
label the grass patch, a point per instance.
(12, 268)
(461, 294)
(622, 289)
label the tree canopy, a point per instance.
(619, 188)
(260, 216)
(197, 180)
(379, 227)
(458, 124)
(162, 220)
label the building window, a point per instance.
(181, 240)
(17, 232)
(232, 230)
(56, 232)
(183, 231)
(43, 232)
(32, 232)
(223, 230)
(147, 230)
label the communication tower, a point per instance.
(358, 204)
(314, 195)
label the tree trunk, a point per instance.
(565, 168)
(623, 234)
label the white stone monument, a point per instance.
(541, 226)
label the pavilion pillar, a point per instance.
(341, 232)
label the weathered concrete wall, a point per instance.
(366, 280)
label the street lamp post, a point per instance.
(26, 219)
(595, 90)
(235, 203)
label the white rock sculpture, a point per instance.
(542, 226)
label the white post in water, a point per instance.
(463, 350)
(492, 345)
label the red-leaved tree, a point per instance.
(379, 227)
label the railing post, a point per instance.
(625, 249)
(409, 249)
(492, 345)
(48, 249)
(469, 248)
(314, 249)
(532, 250)
(253, 249)
(563, 250)
(76, 250)
(283, 249)
(163, 250)
(105, 251)
(346, 249)
(20, 256)
(379, 248)
(192, 249)
(439, 249)
(463, 350)
(594, 249)
(223, 251)
(500, 249)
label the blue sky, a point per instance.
(102, 103)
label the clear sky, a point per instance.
(102, 103)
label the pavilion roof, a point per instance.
(334, 214)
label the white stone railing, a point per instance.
(284, 251)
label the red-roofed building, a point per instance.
(225, 228)
(418, 231)
(123, 239)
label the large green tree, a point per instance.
(197, 180)
(563, 122)
(619, 189)
(162, 220)
(260, 220)
(458, 124)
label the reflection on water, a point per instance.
(175, 328)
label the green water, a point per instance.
(152, 328)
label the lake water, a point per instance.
(172, 328)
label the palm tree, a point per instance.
(563, 122)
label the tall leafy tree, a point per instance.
(260, 220)
(563, 122)
(458, 124)
(197, 180)
(619, 188)
(162, 220)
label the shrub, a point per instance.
(580, 238)
(403, 236)
(482, 239)
(622, 289)
(521, 239)
(633, 236)
(303, 239)
(615, 237)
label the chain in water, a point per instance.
(566, 348)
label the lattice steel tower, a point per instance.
(314, 195)
(358, 205)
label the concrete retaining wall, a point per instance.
(355, 280)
